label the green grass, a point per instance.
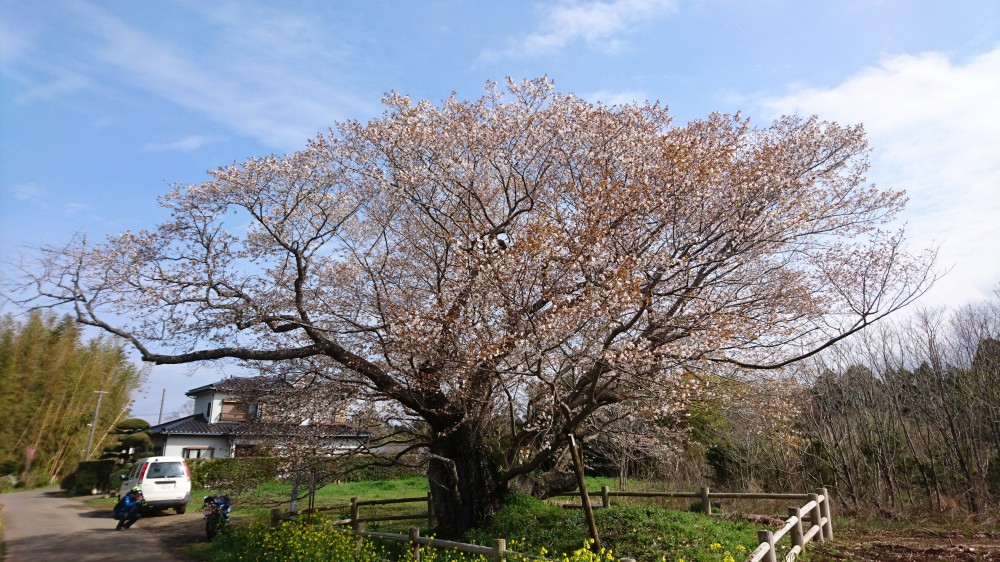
(333, 494)
(277, 494)
(644, 532)
(101, 501)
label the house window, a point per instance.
(234, 410)
(198, 452)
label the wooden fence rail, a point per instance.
(355, 507)
(816, 512)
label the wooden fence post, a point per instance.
(706, 506)
(499, 549)
(825, 512)
(354, 513)
(275, 517)
(797, 536)
(605, 497)
(768, 537)
(358, 539)
(414, 545)
(816, 516)
(430, 510)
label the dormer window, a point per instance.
(234, 410)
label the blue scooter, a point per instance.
(216, 515)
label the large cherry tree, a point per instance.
(503, 268)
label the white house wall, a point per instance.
(177, 443)
(202, 401)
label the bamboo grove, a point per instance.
(49, 378)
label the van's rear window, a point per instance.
(165, 470)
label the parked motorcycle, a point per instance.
(216, 515)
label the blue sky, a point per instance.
(104, 104)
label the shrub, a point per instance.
(89, 476)
(9, 466)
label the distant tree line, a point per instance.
(49, 378)
(903, 418)
(909, 416)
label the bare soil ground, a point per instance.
(44, 524)
(174, 532)
(909, 544)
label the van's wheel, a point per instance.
(180, 509)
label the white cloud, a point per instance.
(597, 23)
(934, 126)
(268, 85)
(61, 82)
(29, 193)
(76, 209)
(14, 40)
(186, 144)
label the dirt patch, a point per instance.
(175, 531)
(898, 545)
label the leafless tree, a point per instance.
(904, 417)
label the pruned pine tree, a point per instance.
(503, 268)
(128, 440)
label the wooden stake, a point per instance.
(584, 496)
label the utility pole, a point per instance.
(93, 426)
(163, 397)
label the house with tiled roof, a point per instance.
(225, 424)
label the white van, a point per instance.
(165, 482)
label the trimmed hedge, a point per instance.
(233, 473)
(244, 473)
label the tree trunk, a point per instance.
(464, 482)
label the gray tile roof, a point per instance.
(234, 385)
(193, 425)
(197, 425)
(289, 430)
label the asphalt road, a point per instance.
(41, 525)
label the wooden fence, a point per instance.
(355, 506)
(816, 512)
(357, 523)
